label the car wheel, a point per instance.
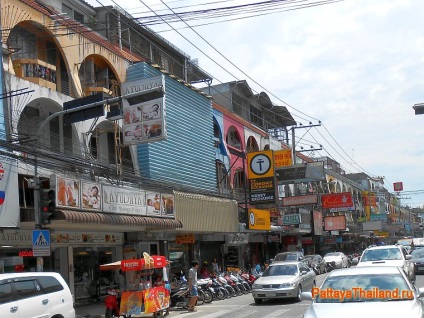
(258, 301)
(299, 292)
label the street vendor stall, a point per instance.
(150, 293)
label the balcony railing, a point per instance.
(36, 71)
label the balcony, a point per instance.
(36, 71)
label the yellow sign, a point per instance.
(283, 158)
(259, 220)
(184, 239)
(260, 164)
(381, 233)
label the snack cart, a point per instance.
(143, 295)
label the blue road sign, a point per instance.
(41, 242)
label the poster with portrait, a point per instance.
(167, 206)
(62, 237)
(91, 196)
(153, 203)
(67, 192)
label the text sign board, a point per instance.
(262, 190)
(291, 219)
(283, 158)
(41, 243)
(259, 220)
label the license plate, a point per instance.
(271, 294)
(421, 268)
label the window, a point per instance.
(50, 284)
(27, 288)
(6, 293)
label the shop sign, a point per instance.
(124, 201)
(331, 240)
(300, 200)
(307, 240)
(336, 200)
(12, 260)
(301, 173)
(378, 217)
(26, 253)
(334, 223)
(185, 239)
(290, 219)
(260, 164)
(16, 238)
(283, 158)
(259, 220)
(317, 222)
(262, 190)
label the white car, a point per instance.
(340, 260)
(388, 255)
(35, 294)
(352, 292)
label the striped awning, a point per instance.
(73, 216)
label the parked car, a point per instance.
(399, 298)
(35, 294)
(289, 256)
(317, 263)
(418, 260)
(336, 260)
(283, 280)
(389, 255)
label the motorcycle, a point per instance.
(331, 266)
(180, 296)
(219, 292)
(230, 290)
(205, 286)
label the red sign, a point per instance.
(335, 223)
(337, 200)
(26, 253)
(153, 261)
(398, 186)
(370, 200)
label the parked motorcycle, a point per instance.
(219, 292)
(205, 286)
(231, 291)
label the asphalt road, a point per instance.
(244, 307)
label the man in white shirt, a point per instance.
(192, 285)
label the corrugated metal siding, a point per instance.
(187, 156)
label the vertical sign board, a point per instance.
(41, 243)
(261, 176)
(144, 115)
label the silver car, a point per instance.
(336, 260)
(283, 280)
(379, 291)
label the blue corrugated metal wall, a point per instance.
(187, 156)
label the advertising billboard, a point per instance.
(335, 223)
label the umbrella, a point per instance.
(110, 266)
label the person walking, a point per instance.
(192, 285)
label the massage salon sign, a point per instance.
(259, 220)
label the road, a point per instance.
(244, 307)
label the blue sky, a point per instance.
(355, 65)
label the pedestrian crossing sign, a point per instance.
(41, 242)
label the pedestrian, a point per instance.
(215, 266)
(192, 285)
(204, 273)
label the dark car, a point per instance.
(317, 263)
(418, 260)
(289, 257)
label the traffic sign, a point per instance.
(41, 242)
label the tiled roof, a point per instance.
(82, 30)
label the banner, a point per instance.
(336, 200)
(9, 199)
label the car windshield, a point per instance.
(361, 288)
(417, 254)
(281, 270)
(286, 257)
(382, 254)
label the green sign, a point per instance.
(291, 219)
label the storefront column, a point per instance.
(70, 269)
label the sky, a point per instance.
(355, 66)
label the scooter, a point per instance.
(112, 305)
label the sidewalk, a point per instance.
(98, 311)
